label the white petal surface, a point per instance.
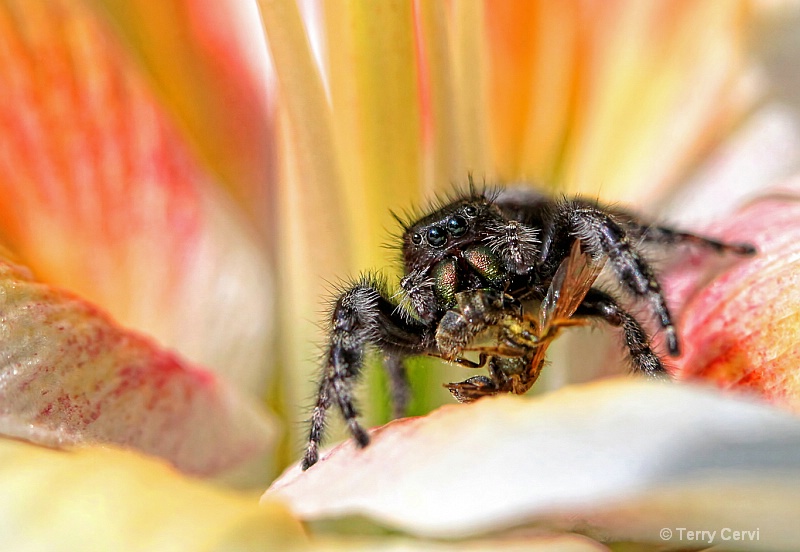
(619, 459)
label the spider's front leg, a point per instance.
(363, 316)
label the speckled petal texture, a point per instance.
(741, 323)
(69, 374)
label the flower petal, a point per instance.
(377, 127)
(570, 458)
(100, 195)
(213, 78)
(740, 328)
(68, 374)
(535, 542)
(614, 97)
(662, 81)
(107, 499)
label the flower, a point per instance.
(172, 199)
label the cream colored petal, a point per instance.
(537, 541)
(616, 458)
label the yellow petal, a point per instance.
(376, 126)
(107, 499)
(660, 82)
(536, 542)
(311, 215)
(470, 86)
(616, 99)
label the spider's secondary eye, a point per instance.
(456, 225)
(436, 236)
(416, 239)
(470, 210)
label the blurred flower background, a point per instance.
(183, 183)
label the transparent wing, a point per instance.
(572, 281)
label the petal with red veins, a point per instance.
(617, 459)
(68, 374)
(99, 194)
(213, 79)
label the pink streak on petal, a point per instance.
(100, 195)
(740, 324)
(69, 375)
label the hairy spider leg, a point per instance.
(601, 234)
(662, 235)
(362, 316)
(399, 388)
(601, 305)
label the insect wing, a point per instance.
(572, 281)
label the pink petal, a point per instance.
(70, 375)
(100, 194)
(741, 324)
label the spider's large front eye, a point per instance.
(436, 236)
(456, 225)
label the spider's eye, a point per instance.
(456, 225)
(416, 239)
(436, 236)
(470, 210)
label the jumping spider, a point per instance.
(471, 265)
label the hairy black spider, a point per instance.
(470, 267)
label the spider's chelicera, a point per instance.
(471, 268)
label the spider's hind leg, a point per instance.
(399, 387)
(601, 305)
(662, 235)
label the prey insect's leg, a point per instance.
(475, 311)
(601, 305)
(465, 362)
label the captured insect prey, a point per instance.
(497, 275)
